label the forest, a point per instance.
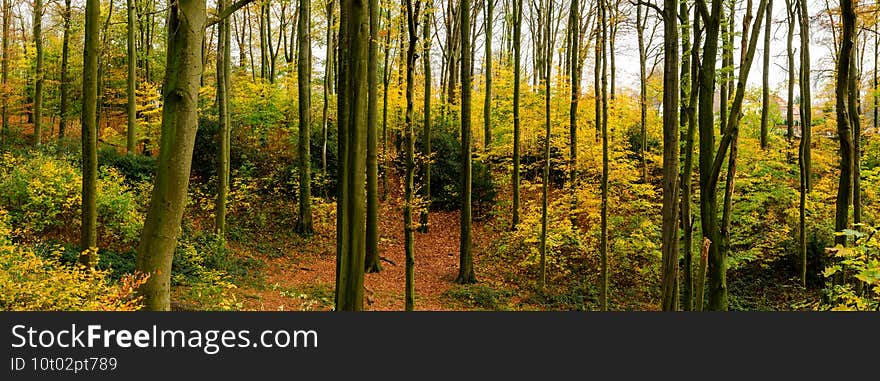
(347, 155)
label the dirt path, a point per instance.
(307, 281)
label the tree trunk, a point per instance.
(89, 235)
(547, 49)
(670, 156)
(7, 17)
(466, 260)
(805, 148)
(517, 61)
(304, 82)
(64, 86)
(641, 23)
(386, 73)
(765, 93)
(352, 133)
(132, 77)
(186, 27)
(603, 245)
(846, 116)
(328, 83)
(223, 133)
(487, 103)
(372, 257)
(426, 133)
(690, 119)
(412, 16)
(38, 72)
(575, 75)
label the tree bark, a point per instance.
(372, 257)
(412, 16)
(603, 244)
(352, 132)
(223, 133)
(38, 72)
(487, 102)
(466, 260)
(186, 27)
(765, 93)
(304, 83)
(64, 86)
(89, 235)
(846, 116)
(670, 156)
(132, 78)
(426, 132)
(517, 61)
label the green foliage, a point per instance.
(853, 275)
(479, 296)
(135, 168)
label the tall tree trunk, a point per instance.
(517, 61)
(789, 115)
(670, 156)
(7, 17)
(689, 118)
(223, 133)
(487, 103)
(575, 75)
(186, 27)
(466, 259)
(641, 23)
(264, 39)
(304, 82)
(855, 117)
(412, 16)
(805, 148)
(603, 244)
(372, 257)
(89, 235)
(65, 81)
(426, 132)
(547, 49)
(132, 77)
(386, 74)
(38, 72)
(352, 132)
(765, 93)
(846, 115)
(328, 83)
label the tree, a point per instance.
(765, 88)
(186, 28)
(223, 132)
(426, 132)
(132, 77)
(790, 13)
(712, 160)
(38, 71)
(641, 24)
(372, 249)
(89, 234)
(65, 81)
(7, 8)
(304, 82)
(574, 54)
(487, 105)
(690, 82)
(328, 84)
(352, 134)
(846, 115)
(412, 16)
(466, 259)
(547, 48)
(603, 242)
(804, 149)
(517, 58)
(669, 210)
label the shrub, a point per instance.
(853, 276)
(135, 168)
(35, 283)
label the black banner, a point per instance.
(434, 345)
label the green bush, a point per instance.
(135, 168)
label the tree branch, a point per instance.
(226, 12)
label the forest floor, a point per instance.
(305, 280)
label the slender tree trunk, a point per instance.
(641, 23)
(328, 83)
(687, 220)
(487, 103)
(89, 235)
(372, 257)
(789, 117)
(64, 86)
(603, 248)
(466, 259)
(856, 117)
(386, 74)
(304, 82)
(426, 133)
(846, 115)
(805, 148)
(670, 156)
(412, 16)
(38, 72)
(547, 49)
(575, 75)
(517, 61)
(7, 17)
(352, 133)
(765, 93)
(223, 134)
(132, 77)
(186, 27)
